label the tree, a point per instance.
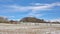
(32, 19)
(3, 19)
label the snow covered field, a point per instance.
(29, 28)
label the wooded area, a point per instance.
(25, 19)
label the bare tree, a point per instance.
(3, 19)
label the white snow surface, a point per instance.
(35, 28)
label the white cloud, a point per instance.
(18, 8)
(56, 4)
(15, 8)
(7, 16)
(34, 8)
(39, 7)
(44, 4)
(34, 14)
(38, 4)
(55, 20)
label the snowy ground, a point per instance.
(29, 28)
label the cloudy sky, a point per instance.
(43, 9)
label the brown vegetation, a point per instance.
(32, 19)
(25, 19)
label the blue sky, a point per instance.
(18, 9)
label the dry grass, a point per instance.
(29, 30)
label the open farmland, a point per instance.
(29, 28)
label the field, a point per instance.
(30, 28)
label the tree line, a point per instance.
(25, 19)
